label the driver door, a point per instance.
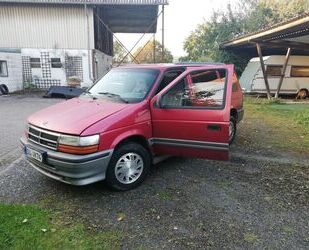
(191, 115)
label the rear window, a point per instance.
(300, 71)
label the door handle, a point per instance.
(214, 127)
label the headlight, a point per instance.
(78, 145)
(79, 141)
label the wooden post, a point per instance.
(259, 50)
(287, 57)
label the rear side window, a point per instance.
(300, 71)
(205, 90)
(274, 70)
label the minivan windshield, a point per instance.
(125, 85)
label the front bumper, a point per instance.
(71, 169)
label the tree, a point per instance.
(145, 53)
(119, 54)
(249, 16)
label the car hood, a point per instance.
(75, 115)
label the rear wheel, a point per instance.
(4, 89)
(232, 129)
(129, 167)
(302, 94)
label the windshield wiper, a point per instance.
(114, 95)
(90, 94)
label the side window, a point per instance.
(56, 63)
(168, 78)
(205, 90)
(273, 70)
(35, 62)
(3, 69)
(176, 96)
(300, 71)
(208, 88)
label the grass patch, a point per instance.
(30, 227)
(288, 230)
(250, 237)
(165, 195)
(223, 183)
(288, 123)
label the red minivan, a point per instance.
(132, 117)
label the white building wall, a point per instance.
(59, 31)
(14, 80)
(83, 71)
(46, 26)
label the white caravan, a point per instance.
(296, 77)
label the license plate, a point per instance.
(31, 153)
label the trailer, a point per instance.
(295, 77)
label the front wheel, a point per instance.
(129, 167)
(232, 130)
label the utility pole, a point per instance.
(163, 54)
(154, 48)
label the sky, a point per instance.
(181, 18)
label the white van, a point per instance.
(296, 77)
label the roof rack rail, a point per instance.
(198, 63)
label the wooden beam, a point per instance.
(287, 57)
(259, 50)
(286, 44)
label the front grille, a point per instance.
(43, 137)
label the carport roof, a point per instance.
(293, 34)
(121, 16)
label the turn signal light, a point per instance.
(78, 150)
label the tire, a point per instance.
(232, 129)
(128, 157)
(302, 94)
(4, 89)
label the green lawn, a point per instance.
(288, 123)
(30, 227)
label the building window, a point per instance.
(56, 63)
(274, 70)
(35, 62)
(300, 71)
(3, 69)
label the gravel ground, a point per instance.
(14, 111)
(257, 200)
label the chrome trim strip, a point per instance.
(42, 138)
(44, 131)
(190, 144)
(42, 145)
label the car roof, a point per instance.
(164, 66)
